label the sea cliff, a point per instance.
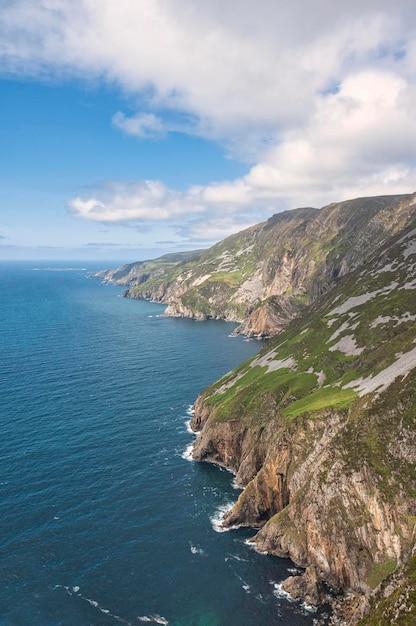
(319, 430)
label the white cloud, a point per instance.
(359, 141)
(247, 66)
(143, 125)
(199, 213)
(320, 96)
(148, 200)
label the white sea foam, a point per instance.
(235, 557)
(245, 585)
(75, 591)
(218, 518)
(190, 410)
(188, 427)
(251, 544)
(196, 549)
(279, 592)
(157, 619)
(187, 454)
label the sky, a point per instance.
(134, 128)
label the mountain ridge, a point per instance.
(267, 274)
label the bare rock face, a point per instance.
(310, 505)
(307, 586)
(269, 319)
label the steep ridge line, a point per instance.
(266, 275)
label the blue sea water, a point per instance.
(103, 519)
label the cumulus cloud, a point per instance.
(199, 213)
(319, 97)
(238, 68)
(143, 125)
(148, 200)
(358, 141)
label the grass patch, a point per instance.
(257, 396)
(232, 279)
(327, 397)
(379, 572)
(400, 607)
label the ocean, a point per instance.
(104, 519)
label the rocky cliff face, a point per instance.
(266, 275)
(319, 430)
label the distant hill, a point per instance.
(266, 275)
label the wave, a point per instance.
(187, 454)
(279, 592)
(235, 557)
(235, 485)
(76, 591)
(251, 544)
(245, 585)
(157, 619)
(196, 549)
(188, 427)
(218, 518)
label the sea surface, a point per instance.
(104, 520)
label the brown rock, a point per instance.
(307, 586)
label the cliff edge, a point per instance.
(320, 430)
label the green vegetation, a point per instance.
(328, 397)
(307, 343)
(379, 572)
(399, 608)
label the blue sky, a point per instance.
(135, 128)
(58, 140)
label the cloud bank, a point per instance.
(318, 98)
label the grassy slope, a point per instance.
(398, 608)
(303, 249)
(297, 377)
